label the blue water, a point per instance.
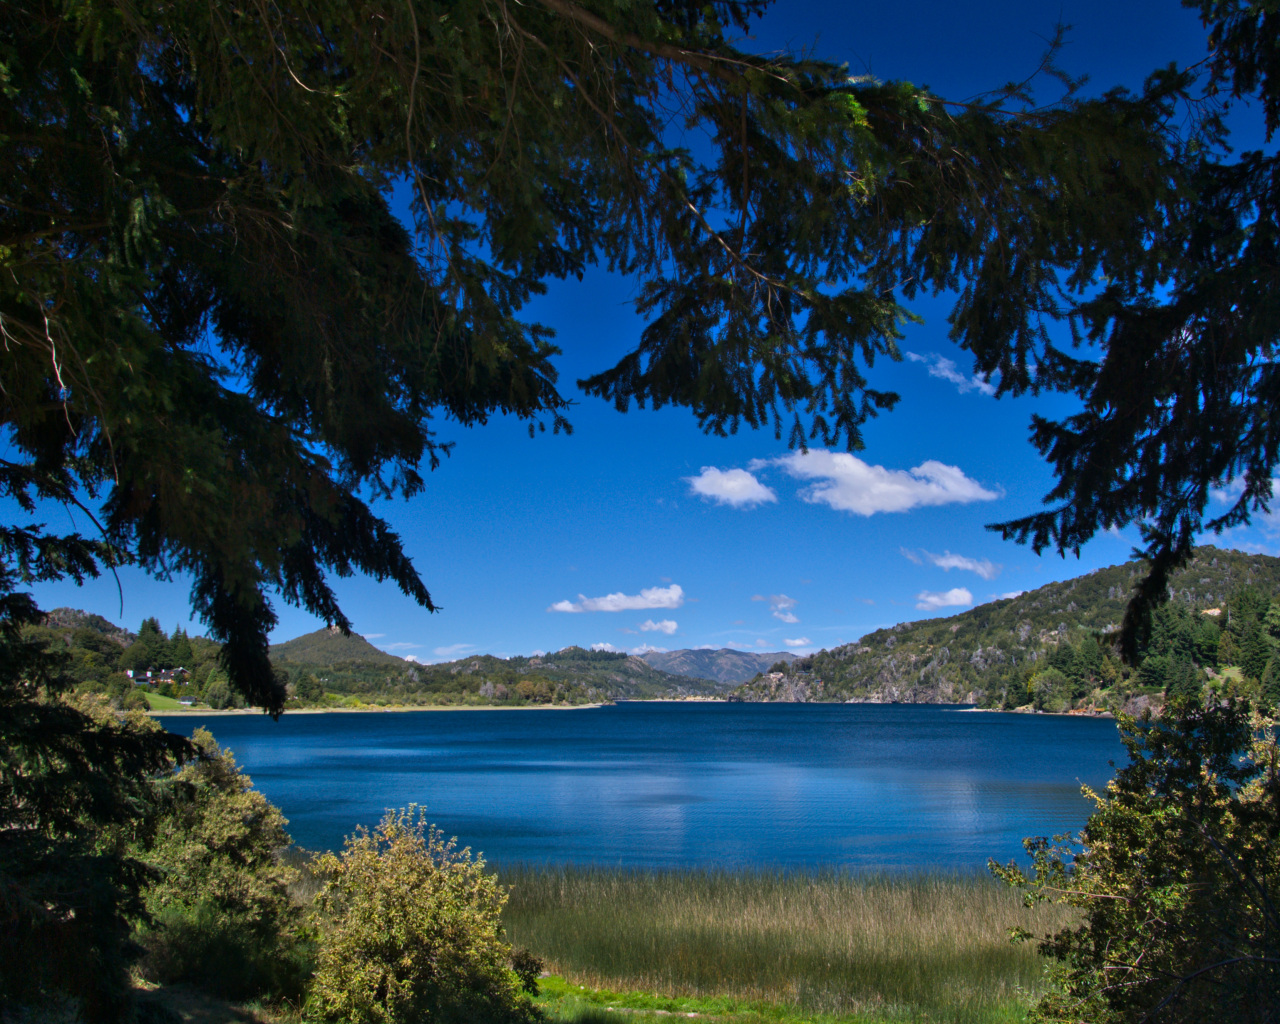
(682, 784)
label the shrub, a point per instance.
(1176, 874)
(221, 914)
(413, 932)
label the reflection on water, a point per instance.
(857, 785)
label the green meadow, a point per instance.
(627, 944)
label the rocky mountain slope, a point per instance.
(724, 666)
(967, 657)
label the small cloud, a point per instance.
(653, 597)
(454, 650)
(910, 556)
(373, 636)
(666, 626)
(846, 483)
(414, 659)
(931, 600)
(706, 647)
(761, 643)
(780, 608)
(607, 647)
(946, 561)
(757, 597)
(400, 647)
(537, 653)
(946, 369)
(802, 641)
(648, 649)
(734, 487)
(867, 600)
(1010, 594)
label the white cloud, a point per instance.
(648, 649)
(453, 650)
(735, 487)
(373, 636)
(607, 647)
(851, 485)
(803, 641)
(1010, 594)
(931, 600)
(666, 626)
(910, 556)
(653, 597)
(780, 608)
(400, 647)
(984, 567)
(946, 369)
(414, 659)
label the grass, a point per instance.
(776, 946)
(159, 702)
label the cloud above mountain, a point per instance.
(946, 561)
(846, 483)
(652, 597)
(932, 600)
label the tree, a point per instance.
(216, 327)
(72, 774)
(1175, 874)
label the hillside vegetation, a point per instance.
(724, 666)
(348, 668)
(1050, 648)
(327, 669)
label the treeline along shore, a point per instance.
(1051, 649)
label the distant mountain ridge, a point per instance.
(969, 657)
(724, 666)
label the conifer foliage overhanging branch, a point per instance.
(215, 326)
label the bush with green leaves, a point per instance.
(220, 909)
(1177, 877)
(412, 932)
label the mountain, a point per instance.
(574, 673)
(724, 666)
(330, 647)
(352, 666)
(989, 654)
(74, 618)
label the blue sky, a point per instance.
(639, 531)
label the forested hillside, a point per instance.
(326, 669)
(1051, 648)
(724, 666)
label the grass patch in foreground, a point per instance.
(778, 946)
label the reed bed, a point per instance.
(889, 947)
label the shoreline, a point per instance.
(370, 709)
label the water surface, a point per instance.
(685, 784)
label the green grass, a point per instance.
(777, 947)
(159, 702)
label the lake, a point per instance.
(863, 786)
